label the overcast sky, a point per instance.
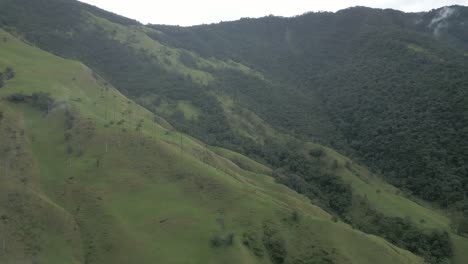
(193, 12)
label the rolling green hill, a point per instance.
(323, 138)
(79, 186)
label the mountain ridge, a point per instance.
(260, 111)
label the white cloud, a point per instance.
(182, 12)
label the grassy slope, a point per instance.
(242, 161)
(382, 196)
(199, 68)
(111, 194)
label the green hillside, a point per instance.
(322, 138)
(80, 187)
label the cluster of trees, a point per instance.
(218, 241)
(435, 246)
(40, 100)
(309, 175)
(6, 75)
(253, 241)
(459, 223)
(274, 244)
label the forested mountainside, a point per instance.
(392, 84)
(361, 113)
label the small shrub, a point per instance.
(317, 152)
(274, 244)
(69, 120)
(39, 100)
(42, 101)
(252, 241)
(335, 165)
(217, 241)
(295, 216)
(229, 240)
(16, 98)
(9, 73)
(348, 165)
(188, 60)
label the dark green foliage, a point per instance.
(434, 246)
(218, 241)
(188, 60)
(308, 176)
(42, 101)
(9, 73)
(411, 131)
(274, 244)
(459, 224)
(69, 120)
(39, 100)
(279, 103)
(317, 152)
(252, 241)
(314, 255)
(17, 98)
(335, 165)
(295, 217)
(462, 228)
